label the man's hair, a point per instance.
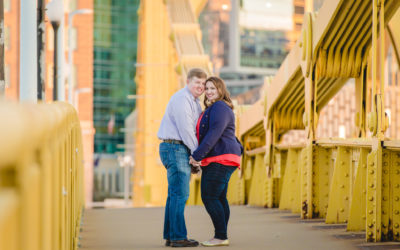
(197, 72)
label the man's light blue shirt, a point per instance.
(180, 119)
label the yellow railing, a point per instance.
(41, 176)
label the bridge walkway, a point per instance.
(250, 228)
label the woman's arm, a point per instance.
(219, 120)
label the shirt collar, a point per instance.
(190, 94)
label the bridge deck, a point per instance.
(250, 229)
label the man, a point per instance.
(177, 132)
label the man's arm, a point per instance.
(185, 122)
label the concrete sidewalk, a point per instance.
(249, 229)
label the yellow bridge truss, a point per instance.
(354, 180)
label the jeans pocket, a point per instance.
(164, 155)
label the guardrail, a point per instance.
(41, 176)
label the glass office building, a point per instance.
(115, 50)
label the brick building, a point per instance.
(82, 70)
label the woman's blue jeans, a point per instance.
(175, 158)
(214, 186)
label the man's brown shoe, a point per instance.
(184, 243)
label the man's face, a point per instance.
(196, 86)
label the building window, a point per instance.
(50, 39)
(74, 38)
(50, 76)
(72, 5)
(73, 76)
(7, 37)
(7, 5)
(7, 75)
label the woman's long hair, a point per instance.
(222, 91)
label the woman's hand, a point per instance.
(193, 162)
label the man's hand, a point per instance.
(195, 165)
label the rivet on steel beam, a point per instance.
(364, 191)
(384, 198)
(372, 163)
(346, 175)
(385, 171)
(370, 225)
(397, 172)
(397, 234)
(383, 212)
(371, 185)
(396, 225)
(326, 183)
(371, 198)
(396, 212)
(371, 211)
(363, 217)
(342, 162)
(326, 173)
(383, 184)
(365, 165)
(346, 198)
(396, 198)
(342, 186)
(342, 210)
(370, 233)
(397, 185)
(326, 206)
(371, 171)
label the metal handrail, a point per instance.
(41, 176)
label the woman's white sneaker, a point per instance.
(215, 243)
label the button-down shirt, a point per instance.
(180, 118)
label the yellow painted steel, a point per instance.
(353, 180)
(169, 45)
(41, 176)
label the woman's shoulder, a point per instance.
(221, 105)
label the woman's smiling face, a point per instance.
(211, 91)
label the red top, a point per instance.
(225, 159)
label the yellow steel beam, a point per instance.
(41, 176)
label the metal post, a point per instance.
(55, 62)
(126, 183)
(61, 61)
(41, 52)
(234, 38)
(70, 62)
(2, 80)
(28, 48)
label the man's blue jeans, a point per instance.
(214, 186)
(175, 158)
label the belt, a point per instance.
(173, 141)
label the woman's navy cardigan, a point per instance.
(216, 133)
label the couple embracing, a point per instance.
(193, 139)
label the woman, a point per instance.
(219, 155)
